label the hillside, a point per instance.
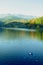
(21, 21)
(36, 20)
(35, 23)
(15, 18)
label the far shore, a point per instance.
(21, 29)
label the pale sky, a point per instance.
(25, 7)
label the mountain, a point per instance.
(27, 17)
(15, 17)
(7, 18)
(15, 25)
(18, 21)
(38, 20)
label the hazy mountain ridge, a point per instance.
(11, 16)
(21, 21)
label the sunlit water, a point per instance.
(20, 47)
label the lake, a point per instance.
(21, 47)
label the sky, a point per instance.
(25, 7)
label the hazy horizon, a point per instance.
(24, 7)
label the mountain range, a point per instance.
(16, 17)
(20, 21)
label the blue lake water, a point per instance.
(20, 47)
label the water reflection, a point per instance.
(14, 34)
(20, 46)
(37, 35)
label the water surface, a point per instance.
(21, 47)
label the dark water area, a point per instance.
(21, 47)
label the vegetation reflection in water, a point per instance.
(17, 34)
(20, 45)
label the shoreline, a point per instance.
(21, 29)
